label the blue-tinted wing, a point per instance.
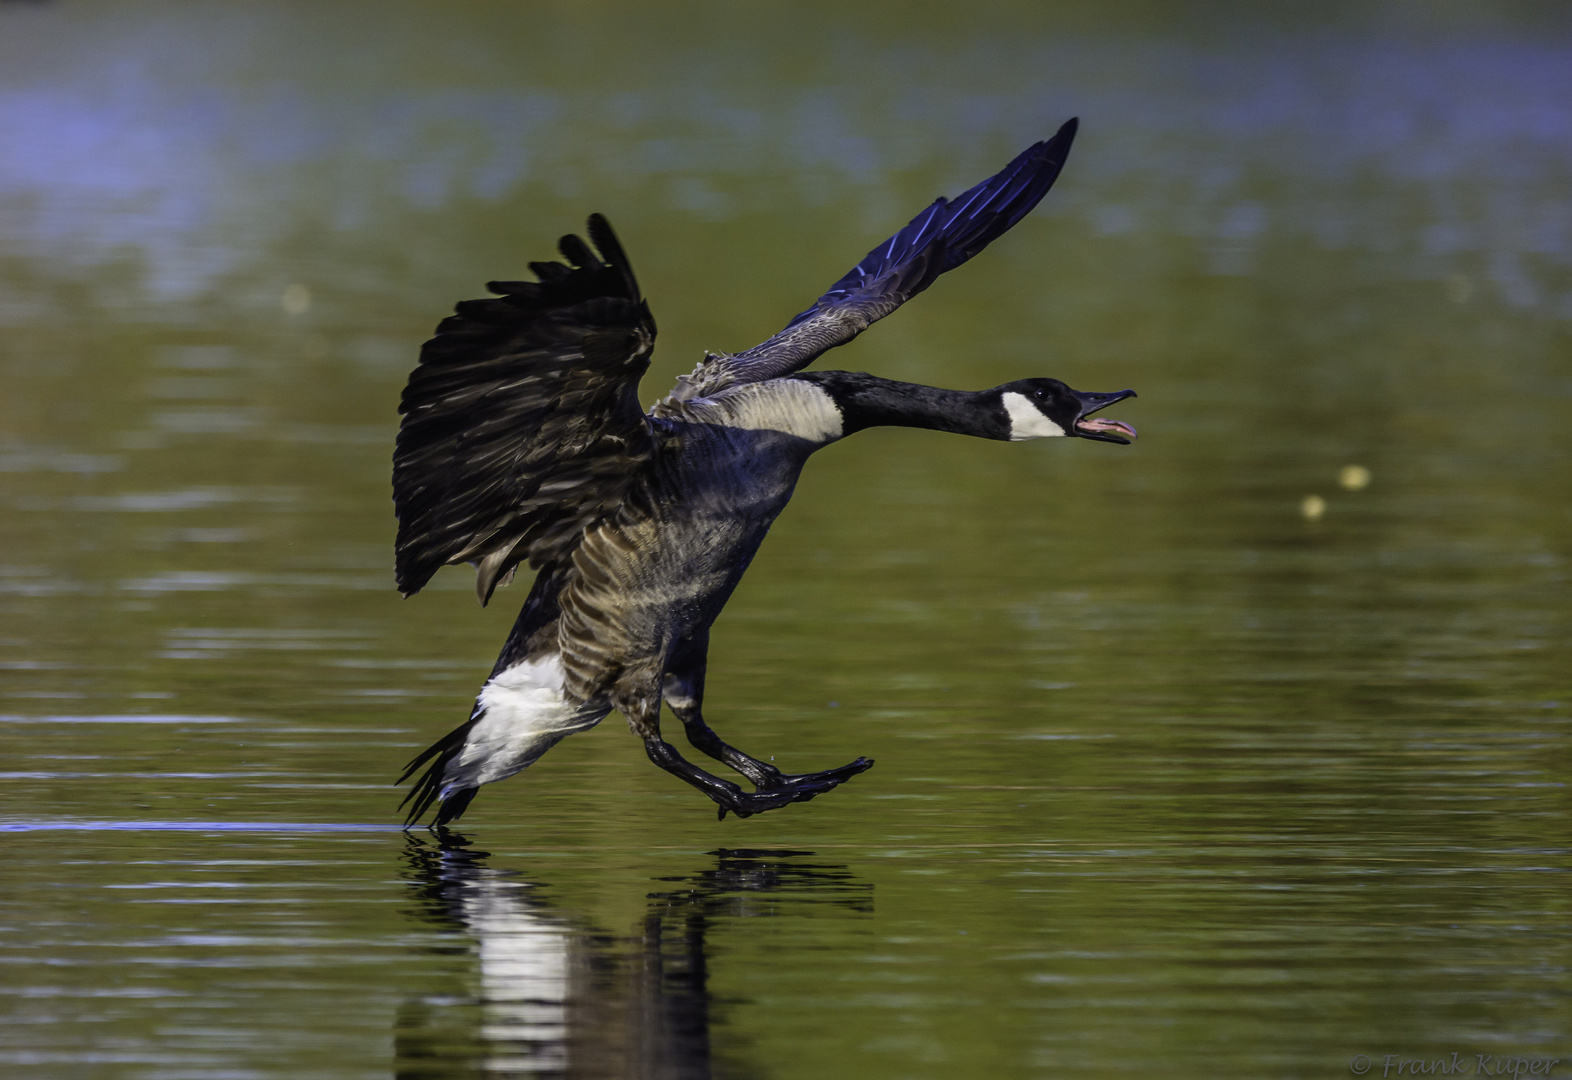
(940, 238)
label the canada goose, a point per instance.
(523, 442)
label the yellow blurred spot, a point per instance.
(1459, 288)
(1353, 477)
(296, 300)
(1312, 507)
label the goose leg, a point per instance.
(643, 713)
(684, 693)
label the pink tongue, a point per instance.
(1118, 426)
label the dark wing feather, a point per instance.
(522, 422)
(940, 238)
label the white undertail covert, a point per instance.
(523, 713)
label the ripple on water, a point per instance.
(134, 718)
(70, 825)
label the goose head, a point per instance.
(1047, 408)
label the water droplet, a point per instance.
(296, 299)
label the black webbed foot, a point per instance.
(778, 790)
(775, 789)
(765, 777)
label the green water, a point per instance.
(1172, 780)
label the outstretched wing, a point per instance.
(940, 238)
(522, 422)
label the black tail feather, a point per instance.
(453, 807)
(428, 789)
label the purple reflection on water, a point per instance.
(172, 151)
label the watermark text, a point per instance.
(1454, 1063)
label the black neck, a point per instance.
(869, 401)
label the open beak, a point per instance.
(1116, 431)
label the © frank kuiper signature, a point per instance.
(1453, 1063)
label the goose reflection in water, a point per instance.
(557, 999)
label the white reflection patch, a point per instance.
(523, 977)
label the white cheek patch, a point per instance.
(1027, 421)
